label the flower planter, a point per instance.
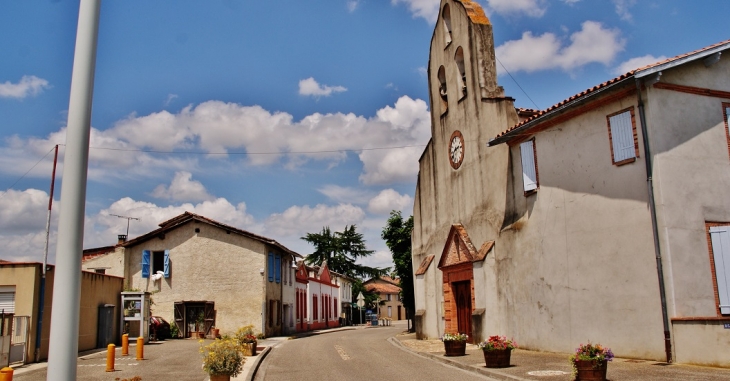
(249, 349)
(220, 377)
(497, 358)
(592, 370)
(455, 348)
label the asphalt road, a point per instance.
(176, 360)
(353, 355)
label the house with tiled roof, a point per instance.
(603, 218)
(323, 297)
(202, 272)
(388, 291)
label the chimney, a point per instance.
(122, 239)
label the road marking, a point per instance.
(342, 353)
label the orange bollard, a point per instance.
(125, 344)
(110, 357)
(6, 374)
(140, 348)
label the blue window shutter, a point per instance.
(529, 172)
(271, 267)
(720, 236)
(277, 268)
(145, 263)
(167, 264)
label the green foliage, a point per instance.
(341, 250)
(357, 288)
(222, 357)
(174, 331)
(397, 235)
(245, 335)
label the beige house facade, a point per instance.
(200, 271)
(20, 284)
(388, 291)
(603, 218)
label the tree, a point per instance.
(341, 250)
(397, 235)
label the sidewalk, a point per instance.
(531, 365)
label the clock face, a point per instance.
(456, 149)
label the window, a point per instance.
(271, 267)
(459, 58)
(389, 297)
(315, 315)
(100, 271)
(152, 262)
(528, 153)
(334, 307)
(7, 300)
(623, 138)
(390, 311)
(720, 263)
(446, 16)
(277, 267)
(443, 90)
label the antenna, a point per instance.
(128, 218)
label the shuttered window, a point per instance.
(277, 267)
(7, 299)
(145, 263)
(622, 133)
(271, 267)
(720, 237)
(166, 269)
(529, 165)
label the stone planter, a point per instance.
(248, 349)
(592, 370)
(497, 358)
(454, 348)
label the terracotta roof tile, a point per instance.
(603, 85)
(382, 288)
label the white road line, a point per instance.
(342, 353)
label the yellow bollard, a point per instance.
(6, 374)
(140, 348)
(125, 344)
(110, 357)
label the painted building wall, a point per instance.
(690, 145)
(210, 265)
(96, 290)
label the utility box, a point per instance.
(105, 329)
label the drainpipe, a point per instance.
(652, 208)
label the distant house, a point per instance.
(20, 305)
(319, 297)
(388, 291)
(197, 268)
(603, 218)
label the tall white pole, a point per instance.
(64, 345)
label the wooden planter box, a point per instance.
(455, 348)
(498, 358)
(591, 370)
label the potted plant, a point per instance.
(497, 351)
(590, 362)
(454, 344)
(200, 325)
(246, 340)
(222, 359)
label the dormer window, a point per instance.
(459, 58)
(446, 16)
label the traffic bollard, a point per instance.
(140, 348)
(110, 357)
(6, 374)
(125, 344)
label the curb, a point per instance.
(494, 374)
(255, 367)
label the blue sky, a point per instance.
(280, 117)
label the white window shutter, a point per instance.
(622, 136)
(720, 236)
(529, 172)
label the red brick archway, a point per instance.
(456, 265)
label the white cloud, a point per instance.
(427, 9)
(388, 200)
(636, 63)
(170, 98)
(531, 8)
(28, 85)
(352, 5)
(299, 220)
(593, 43)
(570, 2)
(340, 194)
(182, 188)
(311, 87)
(622, 9)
